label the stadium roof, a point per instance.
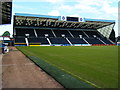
(98, 20)
(44, 21)
(40, 16)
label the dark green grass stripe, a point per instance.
(65, 79)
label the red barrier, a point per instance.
(103, 44)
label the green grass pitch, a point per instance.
(97, 65)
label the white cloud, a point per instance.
(66, 8)
(86, 9)
(89, 2)
(109, 9)
(100, 8)
(22, 7)
(28, 0)
(54, 1)
(74, 15)
(54, 13)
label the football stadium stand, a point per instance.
(30, 30)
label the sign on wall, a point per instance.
(76, 19)
(63, 18)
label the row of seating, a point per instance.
(59, 40)
(56, 33)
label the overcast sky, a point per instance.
(96, 9)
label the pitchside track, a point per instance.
(20, 72)
(95, 65)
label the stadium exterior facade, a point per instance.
(5, 11)
(36, 30)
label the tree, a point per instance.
(6, 33)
